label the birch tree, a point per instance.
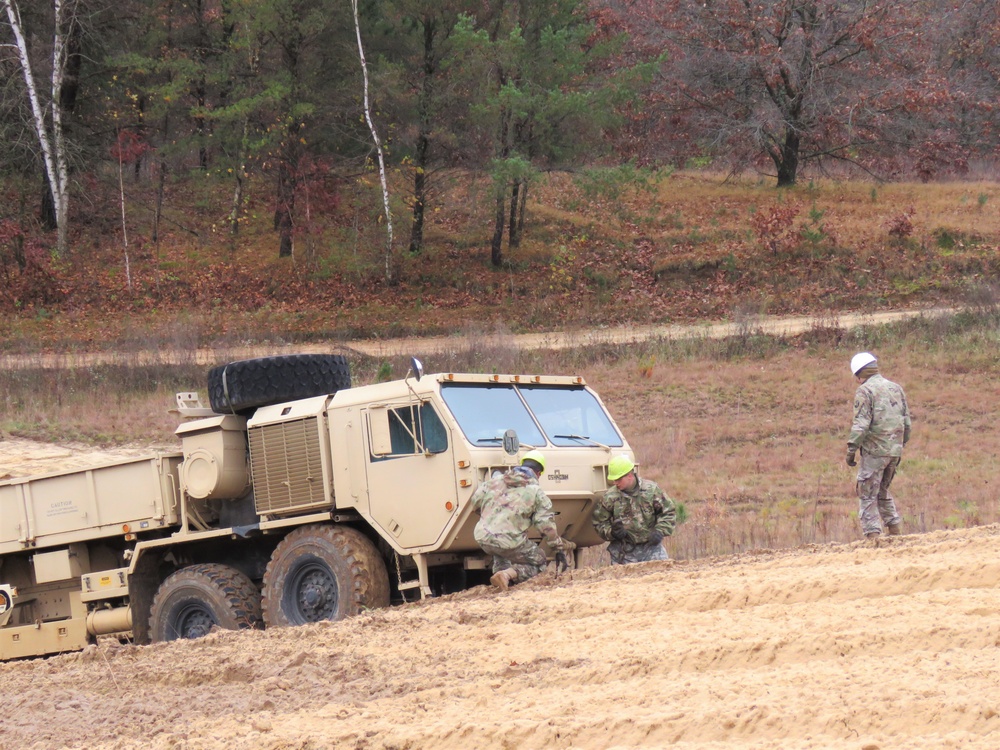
(46, 111)
(378, 148)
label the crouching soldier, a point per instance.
(634, 515)
(508, 506)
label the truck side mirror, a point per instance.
(416, 367)
(511, 444)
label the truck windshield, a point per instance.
(569, 415)
(485, 412)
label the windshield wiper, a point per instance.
(490, 440)
(580, 437)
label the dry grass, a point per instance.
(748, 433)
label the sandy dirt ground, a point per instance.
(852, 646)
(22, 458)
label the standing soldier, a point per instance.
(509, 505)
(880, 430)
(634, 515)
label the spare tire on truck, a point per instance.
(241, 387)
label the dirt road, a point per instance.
(840, 647)
(787, 326)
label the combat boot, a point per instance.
(504, 578)
(895, 530)
(872, 535)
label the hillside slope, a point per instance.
(834, 646)
(693, 247)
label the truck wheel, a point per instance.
(243, 386)
(190, 602)
(323, 573)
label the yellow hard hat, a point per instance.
(619, 466)
(535, 456)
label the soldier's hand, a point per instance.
(565, 545)
(851, 458)
(655, 537)
(618, 532)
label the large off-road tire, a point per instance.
(240, 387)
(323, 573)
(194, 599)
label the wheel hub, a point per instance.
(317, 594)
(195, 624)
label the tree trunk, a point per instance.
(201, 126)
(237, 207)
(47, 210)
(503, 151)
(496, 245)
(390, 275)
(423, 141)
(788, 159)
(161, 182)
(520, 213)
(417, 223)
(514, 237)
(50, 136)
(286, 204)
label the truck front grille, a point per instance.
(285, 461)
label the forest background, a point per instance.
(166, 155)
(214, 173)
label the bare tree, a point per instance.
(46, 112)
(788, 81)
(389, 276)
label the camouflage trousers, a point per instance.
(623, 553)
(527, 559)
(876, 506)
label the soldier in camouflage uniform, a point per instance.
(509, 505)
(880, 430)
(634, 515)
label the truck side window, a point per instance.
(413, 429)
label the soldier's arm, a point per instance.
(602, 518)
(862, 418)
(906, 420)
(543, 518)
(666, 519)
(478, 497)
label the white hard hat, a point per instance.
(860, 360)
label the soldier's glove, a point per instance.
(851, 457)
(618, 532)
(564, 545)
(655, 537)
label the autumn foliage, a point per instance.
(696, 247)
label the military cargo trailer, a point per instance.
(294, 513)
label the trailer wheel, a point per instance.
(193, 600)
(240, 387)
(323, 573)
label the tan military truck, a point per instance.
(293, 498)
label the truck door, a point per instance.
(411, 473)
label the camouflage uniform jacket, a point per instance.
(881, 418)
(509, 505)
(641, 510)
